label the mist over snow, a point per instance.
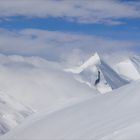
(38, 82)
(69, 69)
(51, 87)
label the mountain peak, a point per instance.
(92, 61)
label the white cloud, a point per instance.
(60, 46)
(86, 11)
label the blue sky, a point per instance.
(129, 30)
(67, 29)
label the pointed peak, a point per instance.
(94, 57)
(93, 60)
(96, 54)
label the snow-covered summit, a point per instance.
(92, 61)
(88, 73)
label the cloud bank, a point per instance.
(83, 11)
(60, 46)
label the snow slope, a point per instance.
(38, 83)
(11, 112)
(88, 72)
(105, 117)
(112, 78)
(129, 69)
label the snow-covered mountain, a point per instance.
(58, 106)
(88, 73)
(129, 68)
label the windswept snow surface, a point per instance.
(129, 69)
(11, 112)
(113, 116)
(39, 83)
(88, 73)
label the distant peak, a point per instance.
(96, 55)
(93, 60)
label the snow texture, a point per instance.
(110, 116)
